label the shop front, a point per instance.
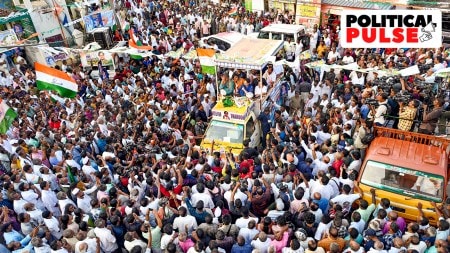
(308, 12)
(283, 6)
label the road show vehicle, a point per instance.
(223, 41)
(282, 32)
(236, 121)
(406, 168)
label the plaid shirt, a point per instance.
(389, 239)
(406, 118)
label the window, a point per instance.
(403, 181)
(446, 22)
(276, 36)
(249, 128)
(224, 46)
(289, 35)
(225, 131)
(263, 35)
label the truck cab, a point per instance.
(230, 126)
(406, 168)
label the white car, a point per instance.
(221, 41)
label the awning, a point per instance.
(16, 16)
(249, 53)
(359, 4)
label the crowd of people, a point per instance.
(116, 169)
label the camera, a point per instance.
(402, 97)
(372, 101)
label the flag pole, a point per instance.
(60, 25)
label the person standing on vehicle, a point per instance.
(407, 115)
(430, 119)
(377, 115)
(264, 118)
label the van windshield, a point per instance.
(404, 181)
(225, 131)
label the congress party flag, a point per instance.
(48, 78)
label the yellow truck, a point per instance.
(406, 168)
(230, 126)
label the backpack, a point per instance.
(388, 109)
(368, 138)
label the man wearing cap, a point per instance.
(371, 239)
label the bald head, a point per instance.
(393, 215)
(398, 242)
(262, 237)
(354, 245)
(317, 196)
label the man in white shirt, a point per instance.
(245, 219)
(184, 221)
(107, 240)
(357, 78)
(202, 195)
(333, 56)
(316, 90)
(262, 243)
(52, 224)
(348, 58)
(83, 200)
(49, 199)
(438, 65)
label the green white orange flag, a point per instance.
(135, 43)
(48, 78)
(206, 57)
(233, 11)
(7, 116)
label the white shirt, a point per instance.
(348, 59)
(64, 202)
(33, 197)
(207, 200)
(243, 222)
(85, 203)
(18, 206)
(107, 240)
(53, 225)
(49, 199)
(180, 223)
(261, 246)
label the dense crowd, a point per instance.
(116, 169)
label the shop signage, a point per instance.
(307, 10)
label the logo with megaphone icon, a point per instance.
(427, 32)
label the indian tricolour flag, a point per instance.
(233, 11)
(7, 116)
(206, 57)
(48, 78)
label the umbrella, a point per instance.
(443, 72)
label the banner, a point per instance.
(309, 11)
(8, 38)
(98, 20)
(94, 57)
